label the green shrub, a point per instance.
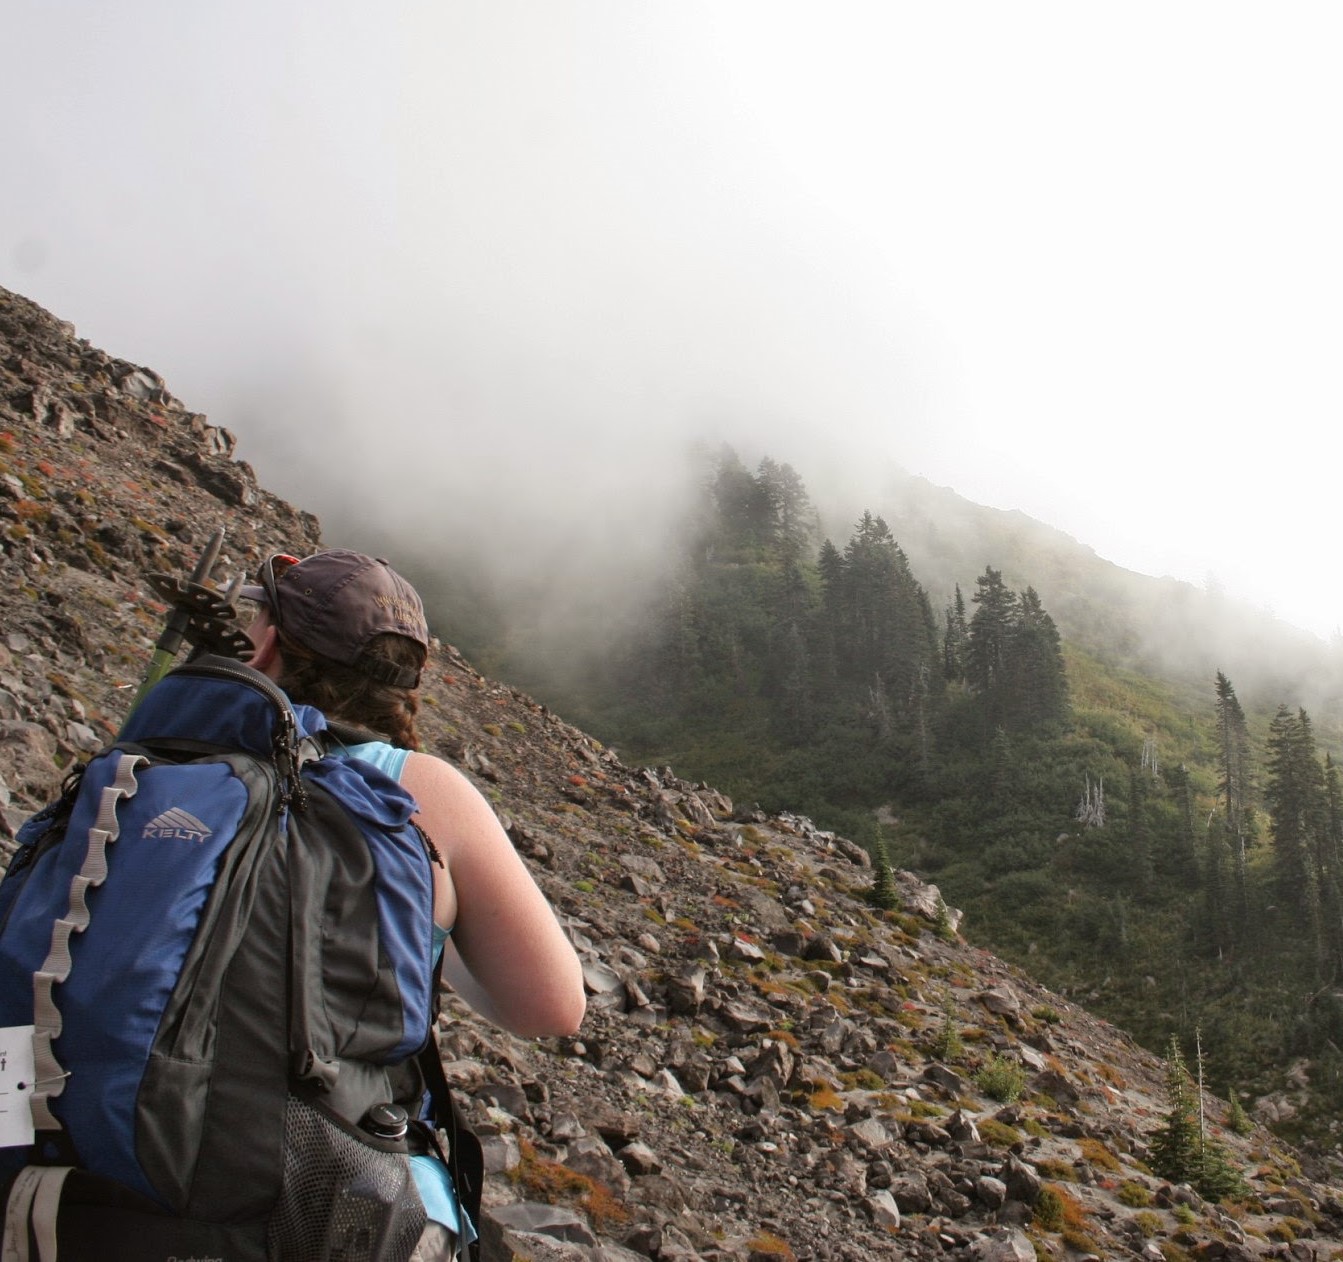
(947, 1044)
(1236, 1120)
(1001, 1079)
(1048, 1215)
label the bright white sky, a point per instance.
(496, 259)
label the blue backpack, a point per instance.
(222, 938)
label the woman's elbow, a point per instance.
(574, 1012)
(560, 1013)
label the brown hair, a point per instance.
(343, 693)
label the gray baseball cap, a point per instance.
(335, 602)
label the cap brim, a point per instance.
(252, 591)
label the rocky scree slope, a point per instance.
(758, 1075)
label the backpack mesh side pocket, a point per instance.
(343, 1200)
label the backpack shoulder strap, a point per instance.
(466, 1162)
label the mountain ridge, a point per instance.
(756, 1077)
(1160, 625)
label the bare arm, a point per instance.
(507, 957)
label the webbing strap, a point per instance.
(46, 1207)
(49, 1077)
(34, 1200)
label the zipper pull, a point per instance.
(285, 757)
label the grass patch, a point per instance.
(552, 1182)
(999, 1134)
(767, 1244)
(1097, 1154)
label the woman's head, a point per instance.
(352, 637)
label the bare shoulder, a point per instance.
(429, 777)
(517, 965)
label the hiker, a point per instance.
(345, 633)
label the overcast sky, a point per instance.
(489, 266)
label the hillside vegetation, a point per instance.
(1121, 825)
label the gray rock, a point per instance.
(946, 1080)
(539, 1219)
(926, 900)
(1004, 1245)
(822, 947)
(600, 979)
(83, 738)
(1057, 1087)
(961, 1127)
(748, 1015)
(910, 1189)
(506, 1096)
(500, 1153)
(591, 1157)
(638, 1158)
(871, 1133)
(28, 753)
(1021, 1180)
(883, 1210)
(642, 865)
(884, 1064)
(740, 949)
(685, 991)
(990, 1191)
(1001, 1000)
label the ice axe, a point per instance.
(199, 614)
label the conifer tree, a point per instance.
(1140, 834)
(1236, 1120)
(1215, 926)
(743, 513)
(1181, 1149)
(1217, 1177)
(793, 526)
(1002, 770)
(881, 622)
(990, 632)
(830, 565)
(947, 1044)
(1013, 658)
(955, 640)
(1331, 862)
(1183, 855)
(1174, 1148)
(792, 689)
(1038, 687)
(883, 893)
(1233, 763)
(1298, 811)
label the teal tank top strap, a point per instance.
(388, 759)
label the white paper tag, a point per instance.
(16, 1085)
